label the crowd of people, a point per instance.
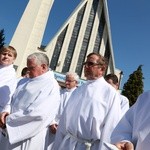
(36, 114)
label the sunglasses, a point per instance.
(90, 64)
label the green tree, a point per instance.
(134, 85)
(2, 38)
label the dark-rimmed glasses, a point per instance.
(90, 64)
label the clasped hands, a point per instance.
(53, 128)
(124, 146)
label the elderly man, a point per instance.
(71, 83)
(34, 106)
(92, 111)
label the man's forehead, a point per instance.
(6, 52)
(30, 61)
(69, 76)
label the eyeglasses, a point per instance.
(90, 64)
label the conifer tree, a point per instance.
(134, 85)
(2, 38)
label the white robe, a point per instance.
(124, 104)
(90, 115)
(135, 125)
(8, 83)
(64, 96)
(34, 105)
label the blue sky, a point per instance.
(130, 29)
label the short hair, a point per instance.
(74, 74)
(102, 60)
(24, 71)
(40, 58)
(9, 49)
(113, 77)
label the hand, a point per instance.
(124, 146)
(53, 128)
(3, 116)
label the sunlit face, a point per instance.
(7, 58)
(34, 69)
(70, 82)
(92, 69)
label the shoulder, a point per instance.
(124, 98)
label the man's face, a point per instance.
(70, 82)
(92, 69)
(7, 58)
(34, 69)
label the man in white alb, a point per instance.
(112, 79)
(133, 130)
(8, 79)
(71, 83)
(92, 111)
(34, 105)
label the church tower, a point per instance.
(86, 30)
(30, 30)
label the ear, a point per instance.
(117, 85)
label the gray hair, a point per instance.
(40, 58)
(73, 74)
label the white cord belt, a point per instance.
(87, 143)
